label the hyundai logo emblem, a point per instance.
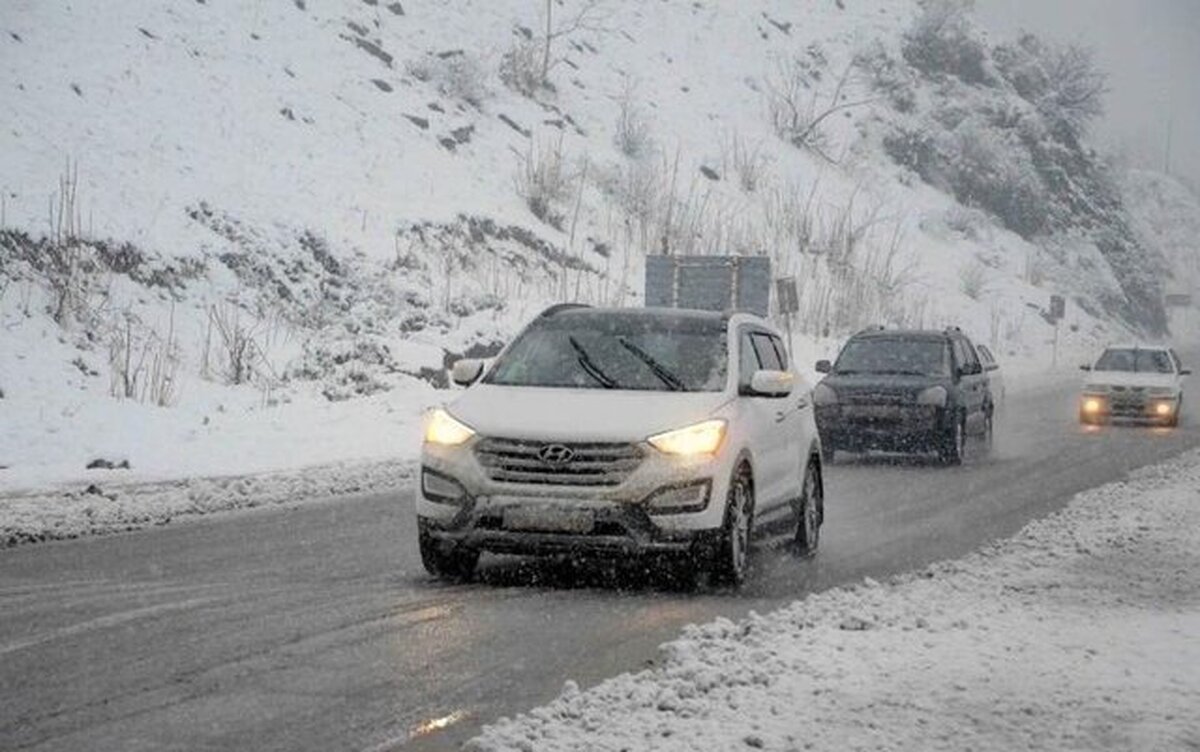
(556, 455)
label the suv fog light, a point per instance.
(1093, 405)
(441, 489)
(1163, 408)
(692, 497)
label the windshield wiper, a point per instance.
(590, 367)
(662, 372)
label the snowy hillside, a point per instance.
(251, 236)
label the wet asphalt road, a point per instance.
(314, 627)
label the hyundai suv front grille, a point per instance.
(557, 463)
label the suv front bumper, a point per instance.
(884, 427)
(537, 518)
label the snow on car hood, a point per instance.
(580, 414)
(1130, 378)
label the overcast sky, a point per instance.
(1151, 51)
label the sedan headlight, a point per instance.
(701, 438)
(444, 429)
(824, 395)
(934, 395)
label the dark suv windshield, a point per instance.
(917, 357)
(611, 351)
(1135, 360)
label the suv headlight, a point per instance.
(1162, 391)
(444, 429)
(824, 395)
(701, 438)
(934, 395)
(1096, 388)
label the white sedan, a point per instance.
(1140, 382)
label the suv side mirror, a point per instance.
(771, 383)
(1185, 372)
(1085, 368)
(466, 371)
(824, 366)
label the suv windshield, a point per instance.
(916, 357)
(612, 351)
(1134, 360)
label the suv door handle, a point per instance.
(779, 416)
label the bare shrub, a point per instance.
(632, 135)
(65, 268)
(943, 41)
(543, 181)
(972, 280)
(143, 364)
(746, 162)
(521, 67)
(796, 109)
(1064, 82)
(460, 76)
(236, 353)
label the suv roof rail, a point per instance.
(954, 329)
(559, 308)
(872, 328)
(729, 313)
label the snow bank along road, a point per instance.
(313, 627)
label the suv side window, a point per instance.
(768, 356)
(781, 351)
(966, 356)
(1178, 362)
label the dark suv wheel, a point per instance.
(953, 442)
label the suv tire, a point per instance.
(733, 553)
(810, 511)
(457, 563)
(953, 442)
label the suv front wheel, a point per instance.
(733, 553)
(810, 510)
(454, 563)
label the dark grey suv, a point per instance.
(904, 391)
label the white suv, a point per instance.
(1140, 382)
(622, 432)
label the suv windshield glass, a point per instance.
(1134, 360)
(917, 357)
(614, 351)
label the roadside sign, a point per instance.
(711, 283)
(786, 296)
(1058, 307)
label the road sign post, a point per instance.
(1058, 309)
(788, 302)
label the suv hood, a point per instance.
(882, 387)
(1128, 378)
(544, 413)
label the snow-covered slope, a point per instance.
(260, 210)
